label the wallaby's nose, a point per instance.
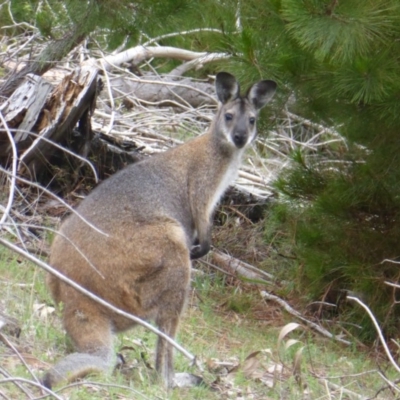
(240, 139)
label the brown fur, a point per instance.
(157, 216)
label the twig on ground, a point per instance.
(378, 330)
(20, 387)
(18, 354)
(342, 390)
(13, 169)
(181, 33)
(245, 270)
(390, 385)
(42, 189)
(100, 384)
(16, 380)
(292, 311)
(110, 97)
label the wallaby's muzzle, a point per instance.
(240, 139)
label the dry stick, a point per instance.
(315, 125)
(141, 53)
(14, 172)
(58, 146)
(82, 290)
(55, 197)
(341, 389)
(189, 65)
(378, 329)
(211, 265)
(15, 24)
(390, 384)
(393, 262)
(76, 247)
(12, 347)
(292, 311)
(38, 385)
(101, 384)
(21, 387)
(134, 78)
(111, 98)
(181, 33)
(240, 267)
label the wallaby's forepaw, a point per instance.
(198, 251)
(184, 379)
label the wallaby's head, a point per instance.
(236, 122)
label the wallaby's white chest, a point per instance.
(227, 178)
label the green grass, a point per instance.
(222, 325)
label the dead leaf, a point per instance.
(42, 310)
(251, 366)
(286, 330)
(297, 365)
(290, 343)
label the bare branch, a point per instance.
(378, 330)
(14, 172)
(36, 185)
(33, 383)
(18, 354)
(181, 33)
(140, 53)
(245, 270)
(291, 311)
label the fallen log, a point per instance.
(163, 90)
(240, 268)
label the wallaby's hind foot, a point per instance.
(185, 380)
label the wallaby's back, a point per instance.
(155, 215)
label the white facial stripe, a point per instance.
(234, 123)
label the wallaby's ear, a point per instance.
(227, 87)
(261, 93)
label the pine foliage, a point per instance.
(340, 60)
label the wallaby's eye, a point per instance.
(252, 120)
(228, 117)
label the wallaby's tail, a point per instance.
(77, 365)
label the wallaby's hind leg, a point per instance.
(170, 303)
(167, 324)
(91, 334)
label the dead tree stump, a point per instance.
(41, 118)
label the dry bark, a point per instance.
(40, 115)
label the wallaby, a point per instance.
(157, 215)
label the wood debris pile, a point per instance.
(108, 116)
